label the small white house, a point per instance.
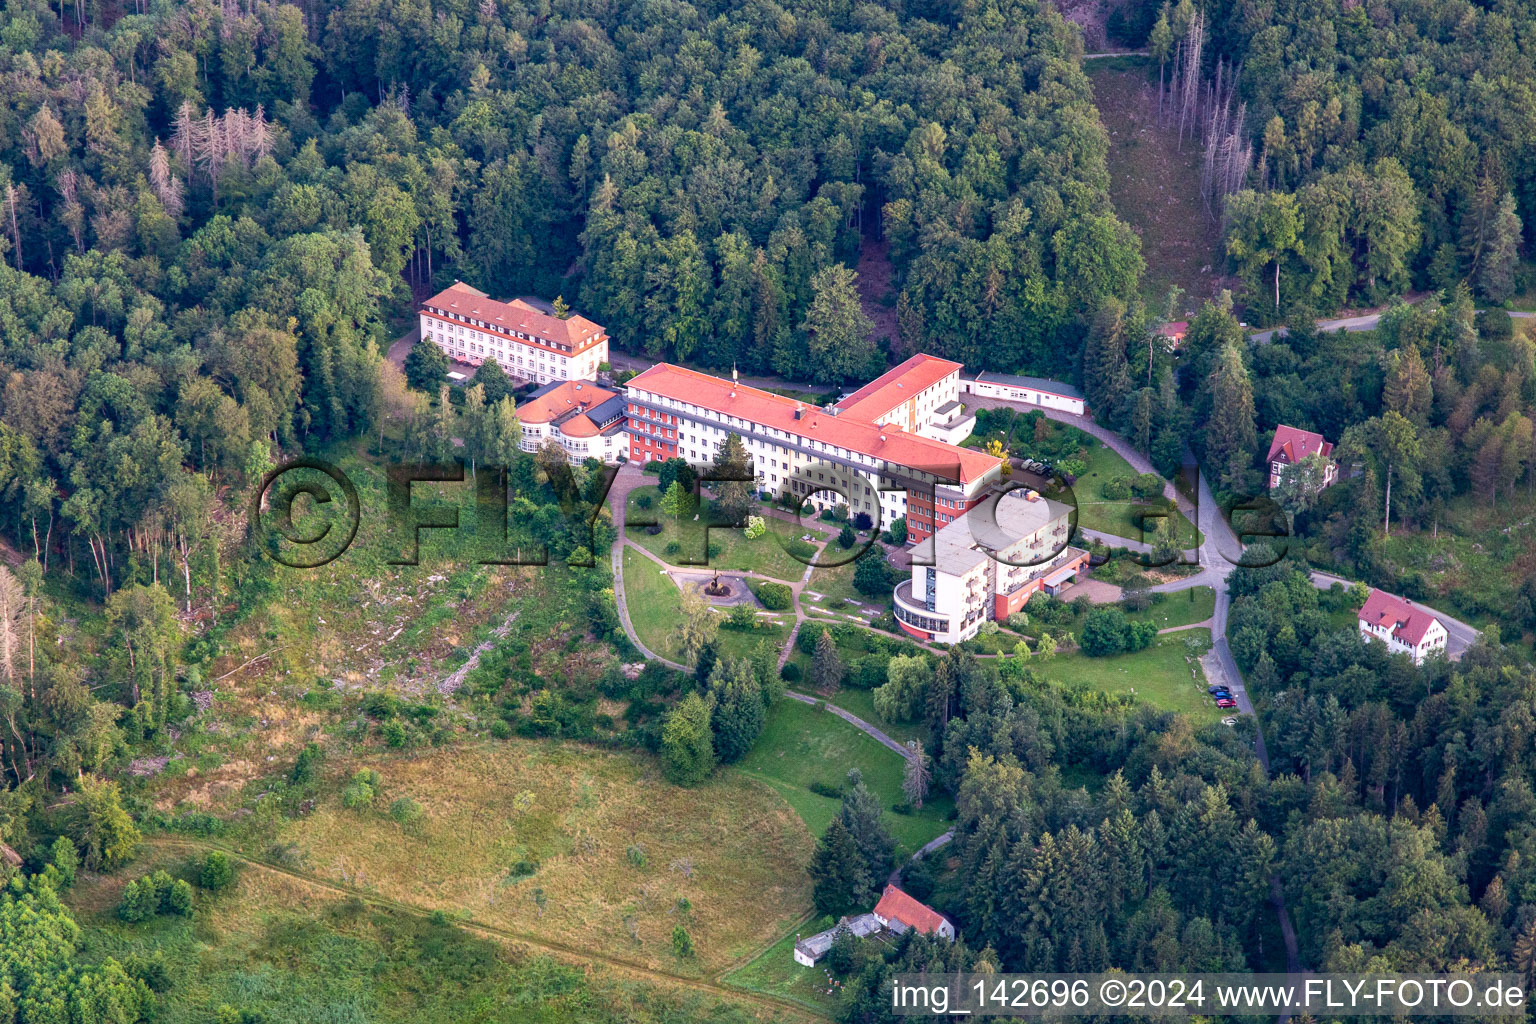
(1401, 626)
(809, 951)
(1032, 391)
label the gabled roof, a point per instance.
(517, 315)
(1402, 619)
(765, 409)
(896, 386)
(896, 905)
(551, 402)
(1292, 445)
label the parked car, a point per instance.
(1217, 690)
(1225, 703)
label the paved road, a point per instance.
(1364, 322)
(933, 844)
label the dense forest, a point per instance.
(1387, 142)
(686, 171)
(1395, 822)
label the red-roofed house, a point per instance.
(584, 419)
(1174, 331)
(1401, 626)
(898, 912)
(471, 327)
(1290, 446)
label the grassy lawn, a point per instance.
(1161, 675)
(764, 555)
(834, 587)
(862, 703)
(1179, 608)
(803, 744)
(609, 846)
(290, 952)
(774, 972)
(1119, 518)
(652, 601)
(738, 643)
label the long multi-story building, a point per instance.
(987, 565)
(471, 327)
(869, 451)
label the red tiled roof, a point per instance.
(890, 444)
(896, 385)
(570, 396)
(576, 331)
(1407, 622)
(1292, 445)
(896, 905)
(1175, 329)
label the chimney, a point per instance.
(799, 411)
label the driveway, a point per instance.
(1364, 322)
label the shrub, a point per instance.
(394, 732)
(635, 855)
(137, 904)
(217, 871)
(1103, 632)
(501, 730)
(644, 500)
(405, 811)
(522, 869)
(846, 536)
(363, 788)
(673, 547)
(682, 943)
(1116, 489)
(862, 521)
(790, 673)
(824, 789)
(1147, 486)
(776, 597)
(741, 617)
(178, 898)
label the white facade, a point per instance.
(986, 565)
(470, 327)
(1031, 391)
(824, 456)
(1404, 628)
(1434, 640)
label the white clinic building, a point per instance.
(471, 327)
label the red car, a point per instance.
(1225, 703)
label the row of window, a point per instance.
(496, 329)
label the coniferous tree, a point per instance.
(839, 875)
(740, 713)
